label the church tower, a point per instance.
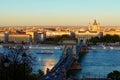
(94, 27)
(89, 27)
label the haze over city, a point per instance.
(59, 12)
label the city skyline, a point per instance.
(59, 12)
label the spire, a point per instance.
(95, 22)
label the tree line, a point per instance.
(57, 39)
(105, 39)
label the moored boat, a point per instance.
(103, 47)
(84, 49)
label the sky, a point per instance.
(59, 12)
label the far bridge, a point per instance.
(67, 61)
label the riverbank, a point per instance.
(102, 47)
(35, 46)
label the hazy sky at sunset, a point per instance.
(59, 12)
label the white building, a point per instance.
(41, 36)
(18, 38)
(57, 33)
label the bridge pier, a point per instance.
(75, 65)
(47, 71)
(72, 44)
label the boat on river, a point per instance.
(46, 47)
(84, 49)
(45, 52)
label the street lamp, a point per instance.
(6, 65)
(24, 57)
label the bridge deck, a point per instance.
(58, 72)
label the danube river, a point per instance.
(95, 63)
(98, 63)
(44, 61)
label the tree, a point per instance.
(115, 75)
(20, 67)
(57, 39)
(115, 38)
(107, 39)
(94, 40)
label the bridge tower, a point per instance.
(70, 44)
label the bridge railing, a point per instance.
(63, 63)
(60, 61)
(59, 64)
(69, 60)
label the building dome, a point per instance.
(95, 22)
(94, 27)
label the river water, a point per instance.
(44, 61)
(98, 63)
(95, 63)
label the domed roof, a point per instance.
(95, 22)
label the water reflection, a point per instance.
(49, 63)
(44, 61)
